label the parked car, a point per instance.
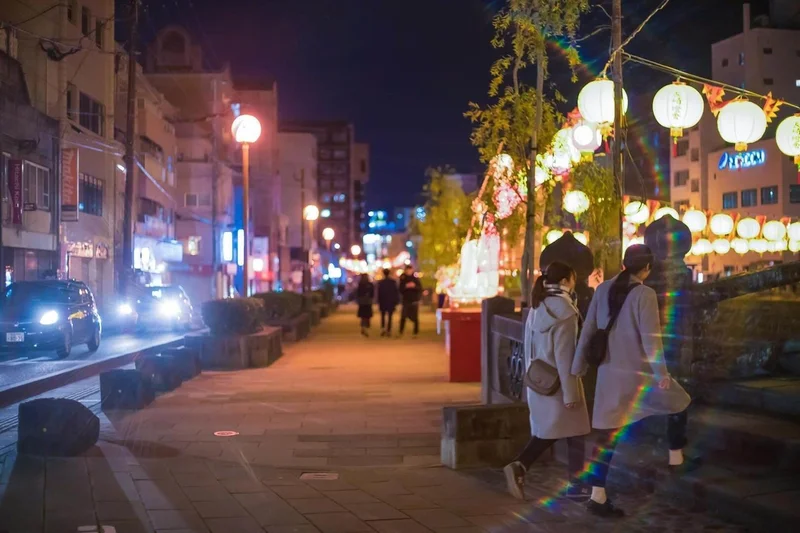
(49, 315)
(158, 307)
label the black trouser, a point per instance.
(537, 446)
(410, 311)
(607, 442)
(386, 320)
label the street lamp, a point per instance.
(355, 250)
(246, 129)
(328, 234)
(311, 212)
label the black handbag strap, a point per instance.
(613, 318)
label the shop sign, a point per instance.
(69, 184)
(15, 189)
(101, 251)
(29, 206)
(753, 158)
(80, 249)
(169, 251)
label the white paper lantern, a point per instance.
(774, 231)
(788, 137)
(696, 220)
(564, 152)
(741, 122)
(794, 246)
(702, 247)
(627, 243)
(794, 231)
(740, 246)
(586, 136)
(678, 106)
(721, 246)
(637, 212)
(721, 224)
(779, 246)
(575, 202)
(759, 246)
(664, 211)
(596, 101)
(553, 235)
(581, 238)
(748, 228)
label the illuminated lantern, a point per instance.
(788, 137)
(794, 231)
(759, 246)
(748, 228)
(777, 246)
(721, 224)
(564, 152)
(721, 246)
(575, 202)
(586, 136)
(741, 122)
(627, 243)
(581, 238)
(553, 235)
(541, 172)
(774, 231)
(702, 247)
(505, 200)
(502, 166)
(740, 246)
(678, 106)
(696, 220)
(794, 246)
(637, 212)
(664, 211)
(596, 101)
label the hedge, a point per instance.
(233, 316)
(280, 305)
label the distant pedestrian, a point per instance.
(364, 295)
(388, 298)
(551, 332)
(410, 294)
(632, 378)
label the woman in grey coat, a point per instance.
(551, 331)
(632, 381)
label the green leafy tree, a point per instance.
(522, 31)
(600, 219)
(444, 228)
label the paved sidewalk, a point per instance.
(367, 411)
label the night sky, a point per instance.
(404, 71)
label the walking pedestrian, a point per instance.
(551, 332)
(388, 298)
(622, 334)
(365, 293)
(410, 293)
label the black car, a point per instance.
(48, 315)
(158, 307)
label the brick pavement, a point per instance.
(367, 410)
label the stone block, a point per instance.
(237, 352)
(294, 329)
(56, 427)
(483, 435)
(160, 370)
(125, 389)
(187, 361)
(263, 348)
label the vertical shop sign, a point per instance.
(15, 189)
(69, 184)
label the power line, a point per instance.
(633, 34)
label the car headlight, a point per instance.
(125, 309)
(49, 318)
(169, 308)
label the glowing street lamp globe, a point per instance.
(741, 122)
(678, 106)
(328, 234)
(311, 212)
(596, 101)
(355, 249)
(246, 129)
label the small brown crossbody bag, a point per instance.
(542, 378)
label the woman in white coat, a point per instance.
(632, 380)
(551, 332)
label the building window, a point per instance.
(86, 20)
(724, 62)
(324, 154)
(769, 195)
(193, 245)
(72, 9)
(339, 198)
(794, 194)
(695, 154)
(193, 199)
(695, 185)
(98, 34)
(741, 58)
(681, 205)
(729, 200)
(767, 51)
(340, 184)
(749, 198)
(681, 178)
(326, 198)
(682, 148)
(768, 81)
(72, 95)
(340, 154)
(363, 166)
(90, 192)
(36, 186)
(340, 137)
(92, 114)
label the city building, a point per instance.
(204, 221)
(708, 174)
(360, 173)
(67, 54)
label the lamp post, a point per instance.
(246, 129)
(310, 214)
(355, 250)
(328, 234)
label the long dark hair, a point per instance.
(637, 258)
(553, 274)
(364, 279)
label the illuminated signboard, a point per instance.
(753, 158)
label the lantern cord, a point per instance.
(699, 79)
(633, 34)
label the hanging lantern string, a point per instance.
(698, 79)
(635, 32)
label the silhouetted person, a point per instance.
(410, 293)
(364, 295)
(388, 298)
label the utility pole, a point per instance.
(130, 146)
(303, 253)
(246, 217)
(616, 68)
(214, 179)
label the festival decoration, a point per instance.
(501, 167)
(758, 246)
(721, 246)
(596, 101)
(696, 220)
(575, 202)
(741, 122)
(771, 106)
(581, 238)
(714, 96)
(564, 152)
(721, 224)
(740, 246)
(553, 235)
(702, 247)
(586, 136)
(794, 231)
(664, 211)
(678, 106)
(637, 212)
(748, 228)
(774, 231)
(506, 199)
(794, 246)
(788, 137)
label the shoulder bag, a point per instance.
(542, 378)
(598, 344)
